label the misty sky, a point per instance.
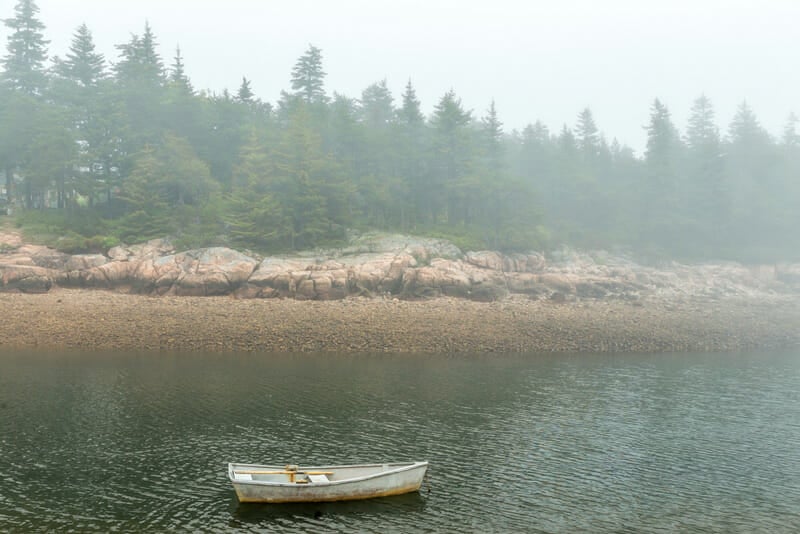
(538, 60)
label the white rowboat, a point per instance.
(291, 483)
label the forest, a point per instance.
(95, 151)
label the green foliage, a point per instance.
(308, 78)
(90, 158)
(23, 66)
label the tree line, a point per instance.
(100, 151)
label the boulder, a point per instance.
(558, 282)
(486, 259)
(201, 272)
(81, 262)
(25, 278)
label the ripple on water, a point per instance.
(516, 443)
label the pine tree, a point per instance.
(662, 136)
(81, 84)
(452, 157)
(535, 155)
(140, 62)
(492, 130)
(791, 137)
(410, 113)
(245, 93)
(751, 168)
(27, 50)
(412, 140)
(661, 193)
(789, 173)
(588, 136)
(83, 64)
(450, 123)
(308, 78)
(177, 74)
(141, 88)
(709, 204)
(377, 105)
(346, 135)
(308, 185)
(380, 175)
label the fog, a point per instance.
(500, 126)
(537, 60)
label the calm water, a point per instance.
(656, 443)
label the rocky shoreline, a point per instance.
(112, 321)
(388, 294)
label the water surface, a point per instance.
(564, 443)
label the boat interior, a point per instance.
(293, 474)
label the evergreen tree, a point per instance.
(710, 203)
(410, 113)
(83, 64)
(662, 200)
(789, 192)
(147, 207)
(140, 63)
(49, 158)
(80, 83)
(452, 157)
(791, 137)
(346, 135)
(245, 93)
(165, 191)
(183, 112)
(751, 166)
(562, 192)
(534, 158)
(177, 74)
(23, 66)
(492, 130)
(377, 116)
(588, 136)
(377, 106)
(140, 82)
(308, 185)
(226, 126)
(411, 145)
(308, 78)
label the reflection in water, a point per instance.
(328, 513)
(97, 442)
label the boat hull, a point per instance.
(394, 479)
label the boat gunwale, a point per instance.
(404, 466)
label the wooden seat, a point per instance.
(318, 479)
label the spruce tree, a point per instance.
(377, 117)
(410, 112)
(412, 141)
(177, 74)
(140, 63)
(23, 65)
(377, 106)
(588, 136)
(452, 158)
(790, 137)
(140, 84)
(751, 166)
(710, 194)
(245, 93)
(83, 64)
(492, 130)
(308, 78)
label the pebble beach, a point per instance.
(104, 320)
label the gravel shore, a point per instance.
(94, 319)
